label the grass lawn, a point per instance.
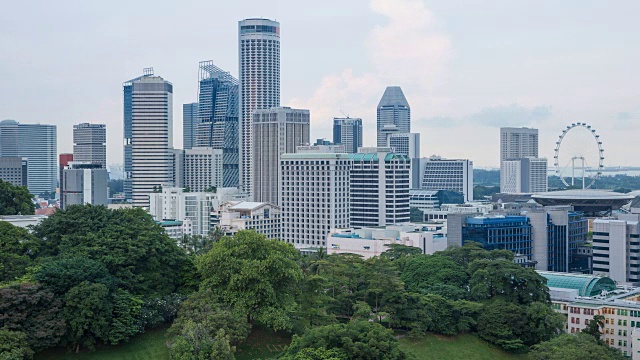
(147, 346)
(462, 347)
(262, 344)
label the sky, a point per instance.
(467, 67)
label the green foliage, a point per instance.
(124, 320)
(61, 274)
(492, 279)
(34, 311)
(159, 310)
(516, 327)
(425, 271)
(595, 326)
(486, 177)
(203, 309)
(135, 250)
(471, 251)
(17, 250)
(320, 354)
(255, 275)
(14, 345)
(574, 347)
(15, 200)
(196, 343)
(354, 340)
(87, 312)
(482, 192)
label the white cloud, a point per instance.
(408, 50)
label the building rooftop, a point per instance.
(586, 285)
(247, 205)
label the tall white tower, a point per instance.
(148, 120)
(90, 144)
(259, 56)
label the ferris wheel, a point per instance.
(579, 155)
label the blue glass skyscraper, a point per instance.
(217, 125)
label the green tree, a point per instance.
(17, 250)
(256, 275)
(14, 345)
(425, 271)
(61, 274)
(508, 280)
(354, 340)
(34, 311)
(594, 327)
(196, 343)
(471, 251)
(15, 200)
(202, 308)
(87, 312)
(135, 250)
(574, 347)
(124, 316)
(384, 289)
(517, 327)
(320, 354)
(400, 254)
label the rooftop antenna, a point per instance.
(147, 71)
(347, 115)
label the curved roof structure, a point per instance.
(8, 122)
(587, 285)
(584, 200)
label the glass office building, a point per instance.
(512, 233)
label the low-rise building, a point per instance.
(580, 297)
(234, 216)
(173, 228)
(23, 220)
(370, 242)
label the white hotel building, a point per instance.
(314, 194)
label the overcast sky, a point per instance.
(466, 67)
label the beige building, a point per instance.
(234, 216)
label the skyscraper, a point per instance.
(393, 115)
(189, 124)
(259, 56)
(84, 183)
(37, 143)
(447, 174)
(379, 187)
(519, 162)
(217, 124)
(348, 132)
(90, 144)
(276, 131)
(148, 135)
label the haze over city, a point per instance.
(466, 68)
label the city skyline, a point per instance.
(476, 77)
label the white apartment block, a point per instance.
(275, 131)
(202, 168)
(516, 143)
(525, 175)
(405, 143)
(369, 242)
(234, 216)
(447, 174)
(314, 194)
(192, 207)
(259, 58)
(616, 248)
(379, 186)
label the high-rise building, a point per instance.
(90, 144)
(84, 183)
(379, 187)
(348, 132)
(393, 114)
(616, 244)
(524, 175)
(148, 135)
(447, 174)
(515, 144)
(203, 169)
(259, 56)
(405, 143)
(217, 126)
(14, 170)
(177, 167)
(558, 234)
(189, 124)
(64, 160)
(275, 131)
(314, 195)
(37, 143)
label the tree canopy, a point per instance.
(15, 200)
(574, 347)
